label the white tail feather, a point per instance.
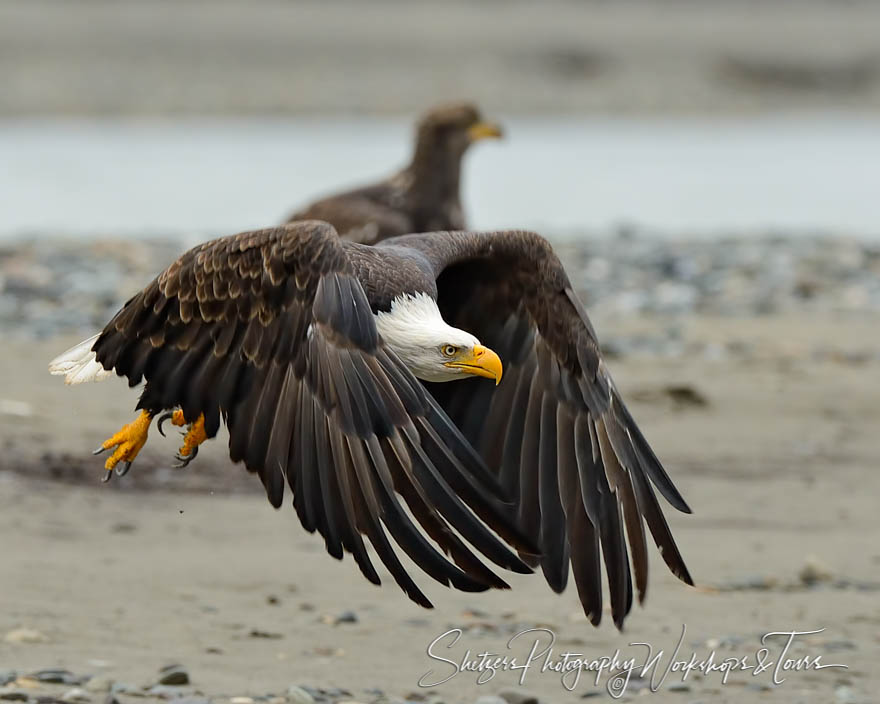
(78, 364)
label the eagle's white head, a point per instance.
(431, 349)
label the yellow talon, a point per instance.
(194, 437)
(128, 443)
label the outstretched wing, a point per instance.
(271, 331)
(555, 429)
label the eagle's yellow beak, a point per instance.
(484, 130)
(480, 361)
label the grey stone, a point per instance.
(77, 694)
(99, 683)
(298, 695)
(814, 572)
(164, 691)
(518, 696)
(173, 675)
(55, 677)
(347, 617)
(845, 694)
(126, 688)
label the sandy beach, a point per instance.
(776, 454)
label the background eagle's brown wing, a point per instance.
(556, 429)
(363, 215)
(272, 331)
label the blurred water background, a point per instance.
(568, 177)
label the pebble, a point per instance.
(814, 572)
(14, 696)
(55, 677)
(518, 696)
(297, 695)
(76, 694)
(257, 633)
(844, 694)
(125, 688)
(241, 700)
(25, 635)
(344, 617)
(164, 691)
(173, 675)
(7, 676)
(99, 683)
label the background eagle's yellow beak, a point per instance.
(484, 130)
(480, 361)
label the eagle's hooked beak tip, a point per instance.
(480, 361)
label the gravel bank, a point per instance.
(52, 287)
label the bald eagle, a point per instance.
(422, 197)
(370, 377)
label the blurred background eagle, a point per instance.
(422, 197)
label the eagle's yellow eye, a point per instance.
(448, 350)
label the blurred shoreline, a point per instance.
(279, 57)
(52, 286)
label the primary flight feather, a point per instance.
(367, 378)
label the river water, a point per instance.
(575, 177)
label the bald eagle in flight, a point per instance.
(422, 197)
(369, 378)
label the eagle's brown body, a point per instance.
(274, 331)
(423, 197)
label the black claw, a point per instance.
(107, 475)
(99, 450)
(161, 419)
(184, 460)
(122, 469)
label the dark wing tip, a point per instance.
(684, 575)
